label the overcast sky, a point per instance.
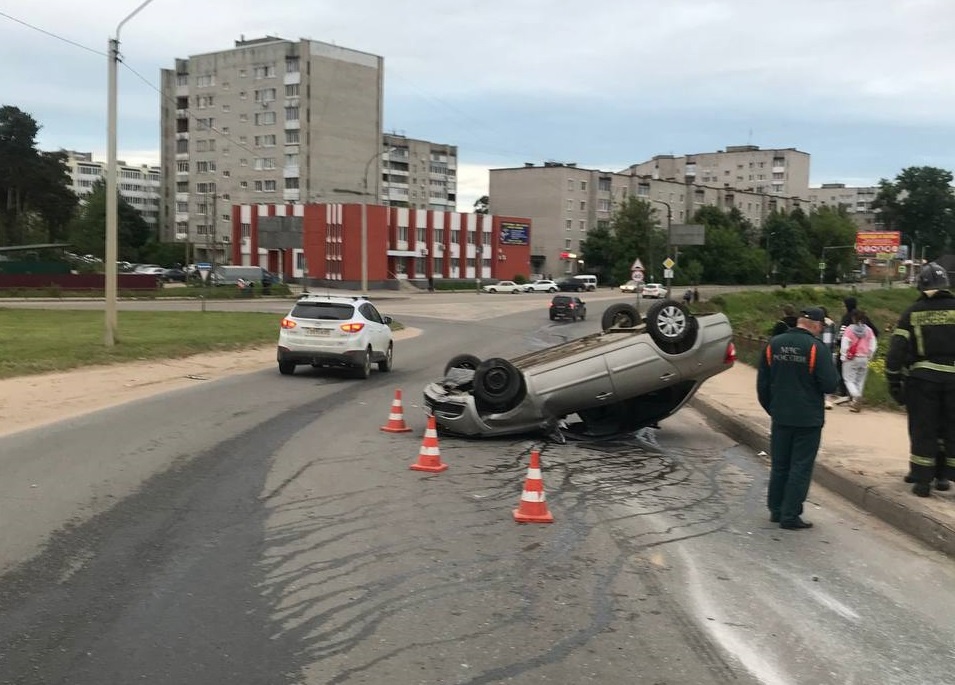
(864, 86)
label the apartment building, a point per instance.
(780, 171)
(856, 200)
(564, 201)
(268, 121)
(418, 174)
(138, 185)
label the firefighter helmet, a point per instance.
(932, 277)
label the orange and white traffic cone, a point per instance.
(396, 419)
(429, 456)
(533, 505)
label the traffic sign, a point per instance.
(637, 265)
(637, 275)
(822, 266)
(668, 273)
(668, 264)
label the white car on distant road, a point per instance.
(631, 286)
(503, 287)
(654, 290)
(541, 286)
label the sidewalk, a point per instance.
(863, 457)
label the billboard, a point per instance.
(872, 243)
(515, 233)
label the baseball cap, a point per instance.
(813, 314)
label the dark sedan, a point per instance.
(173, 276)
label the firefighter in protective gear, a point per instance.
(920, 370)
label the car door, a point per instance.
(636, 368)
(380, 332)
(564, 387)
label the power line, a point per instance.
(52, 35)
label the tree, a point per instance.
(88, 230)
(481, 205)
(920, 203)
(728, 255)
(788, 247)
(36, 202)
(831, 235)
(598, 249)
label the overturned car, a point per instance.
(631, 375)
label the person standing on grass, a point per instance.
(795, 373)
(856, 350)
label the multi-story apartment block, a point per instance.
(782, 171)
(138, 185)
(856, 200)
(565, 201)
(269, 121)
(418, 174)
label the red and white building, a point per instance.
(324, 243)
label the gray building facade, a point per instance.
(268, 121)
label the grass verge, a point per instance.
(36, 341)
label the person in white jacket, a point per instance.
(856, 349)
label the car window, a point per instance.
(323, 310)
(370, 313)
(561, 299)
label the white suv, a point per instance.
(335, 331)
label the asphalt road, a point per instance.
(262, 529)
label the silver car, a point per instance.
(631, 375)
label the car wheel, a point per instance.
(364, 365)
(462, 361)
(552, 290)
(386, 364)
(672, 326)
(583, 315)
(286, 368)
(573, 317)
(553, 318)
(491, 290)
(620, 315)
(498, 385)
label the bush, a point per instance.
(520, 279)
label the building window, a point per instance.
(291, 159)
(603, 185)
(570, 184)
(265, 95)
(265, 71)
(583, 186)
(265, 141)
(182, 79)
(291, 114)
(183, 146)
(291, 184)
(269, 186)
(182, 186)
(257, 186)
(583, 206)
(291, 90)
(568, 224)
(205, 81)
(264, 118)
(292, 137)
(291, 65)
(182, 167)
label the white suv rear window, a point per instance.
(323, 310)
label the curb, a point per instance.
(865, 493)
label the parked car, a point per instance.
(654, 290)
(571, 285)
(541, 286)
(335, 331)
(150, 269)
(174, 275)
(590, 282)
(567, 307)
(631, 287)
(231, 275)
(632, 374)
(503, 287)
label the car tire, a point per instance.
(498, 385)
(573, 317)
(462, 361)
(552, 290)
(620, 315)
(386, 364)
(583, 315)
(553, 318)
(286, 368)
(672, 326)
(363, 370)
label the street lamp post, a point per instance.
(669, 228)
(364, 219)
(112, 205)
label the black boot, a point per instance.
(942, 484)
(908, 478)
(922, 489)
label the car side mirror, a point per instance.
(387, 320)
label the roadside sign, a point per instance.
(901, 268)
(204, 269)
(637, 275)
(668, 273)
(822, 266)
(668, 264)
(637, 265)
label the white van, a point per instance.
(589, 281)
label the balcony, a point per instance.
(290, 171)
(292, 194)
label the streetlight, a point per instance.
(112, 206)
(669, 227)
(364, 218)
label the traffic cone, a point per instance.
(533, 505)
(396, 419)
(429, 456)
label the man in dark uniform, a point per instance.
(920, 369)
(796, 372)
